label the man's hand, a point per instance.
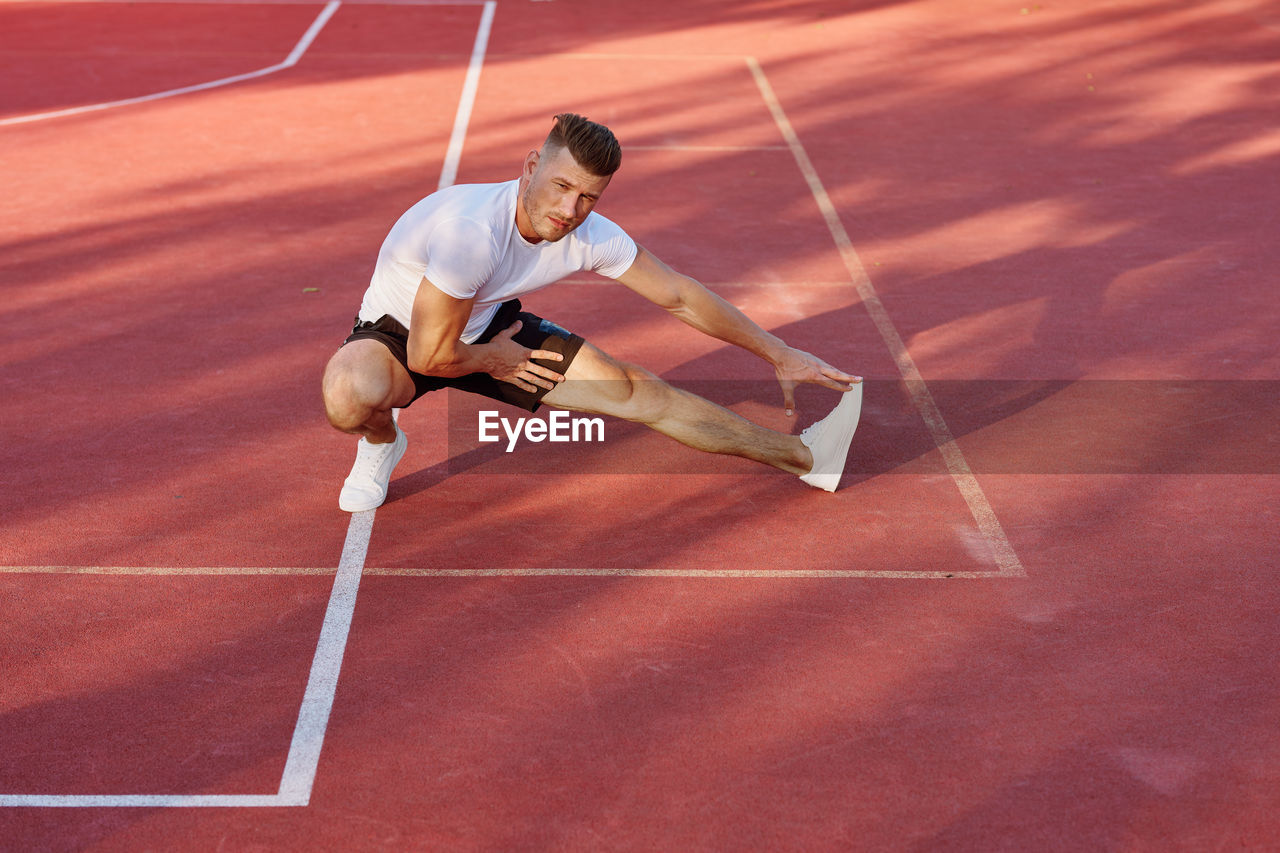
(506, 360)
(435, 348)
(797, 366)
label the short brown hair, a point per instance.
(593, 145)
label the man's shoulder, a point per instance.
(475, 198)
(480, 202)
(604, 246)
(598, 228)
(467, 206)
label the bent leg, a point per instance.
(596, 383)
(363, 382)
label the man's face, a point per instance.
(556, 194)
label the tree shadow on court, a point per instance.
(1041, 696)
(738, 710)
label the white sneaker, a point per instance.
(366, 485)
(829, 440)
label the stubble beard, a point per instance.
(541, 224)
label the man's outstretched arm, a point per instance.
(707, 312)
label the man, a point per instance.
(441, 312)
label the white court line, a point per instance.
(470, 86)
(90, 801)
(232, 571)
(763, 574)
(174, 571)
(322, 685)
(291, 60)
(313, 717)
(1006, 559)
(317, 702)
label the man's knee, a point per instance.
(600, 384)
(341, 401)
(639, 394)
(354, 387)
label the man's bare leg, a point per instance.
(363, 383)
(596, 383)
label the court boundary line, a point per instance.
(466, 101)
(291, 60)
(370, 571)
(307, 741)
(1006, 558)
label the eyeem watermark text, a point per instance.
(559, 426)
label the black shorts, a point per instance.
(535, 333)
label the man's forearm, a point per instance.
(502, 358)
(449, 362)
(710, 314)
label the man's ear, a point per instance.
(531, 163)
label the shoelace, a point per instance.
(372, 456)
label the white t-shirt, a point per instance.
(464, 240)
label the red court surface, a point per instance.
(1039, 614)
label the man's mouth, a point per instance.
(559, 223)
